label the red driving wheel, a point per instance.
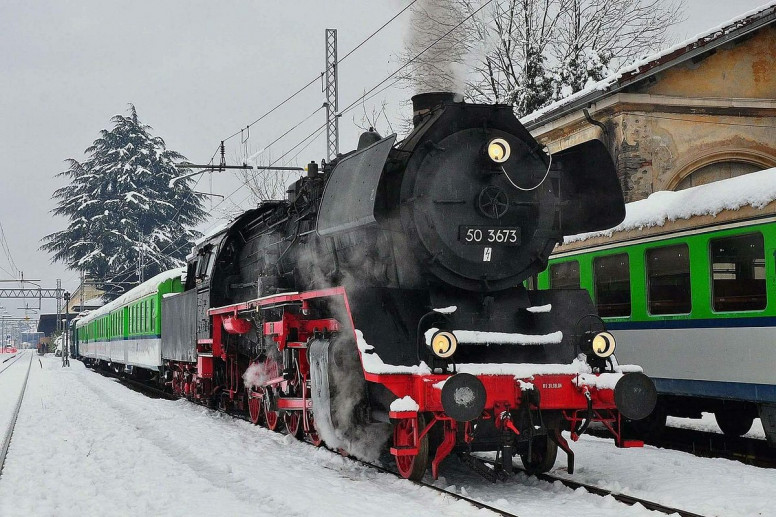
(412, 466)
(312, 434)
(293, 423)
(271, 417)
(254, 409)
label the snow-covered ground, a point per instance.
(86, 445)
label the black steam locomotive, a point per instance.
(384, 302)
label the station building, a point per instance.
(700, 111)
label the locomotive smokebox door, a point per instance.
(463, 397)
(635, 396)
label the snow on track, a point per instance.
(86, 445)
(89, 446)
(12, 375)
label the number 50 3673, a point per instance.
(509, 236)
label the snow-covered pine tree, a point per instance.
(126, 222)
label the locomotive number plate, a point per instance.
(504, 235)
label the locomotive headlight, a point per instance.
(603, 344)
(444, 344)
(499, 150)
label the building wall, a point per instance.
(696, 122)
(740, 69)
(89, 293)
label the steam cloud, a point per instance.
(441, 67)
(349, 429)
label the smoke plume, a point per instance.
(440, 67)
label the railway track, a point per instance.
(9, 431)
(474, 502)
(574, 485)
(8, 361)
(155, 392)
(622, 498)
(705, 444)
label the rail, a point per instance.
(12, 425)
(13, 359)
(621, 498)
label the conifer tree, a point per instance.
(126, 223)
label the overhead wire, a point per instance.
(369, 93)
(308, 117)
(317, 77)
(222, 201)
(319, 132)
(312, 136)
(7, 251)
(414, 58)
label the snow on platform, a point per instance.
(86, 445)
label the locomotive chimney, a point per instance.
(423, 103)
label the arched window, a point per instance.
(717, 171)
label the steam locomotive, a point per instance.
(385, 300)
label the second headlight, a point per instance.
(444, 344)
(603, 344)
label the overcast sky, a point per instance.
(197, 71)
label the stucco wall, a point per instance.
(655, 150)
(721, 109)
(744, 69)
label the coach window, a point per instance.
(738, 273)
(612, 285)
(668, 280)
(565, 275)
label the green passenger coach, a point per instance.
(687, 283)
(128, 330)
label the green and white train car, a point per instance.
(687, 284)
(128, 330)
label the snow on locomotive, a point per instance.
(383, 300)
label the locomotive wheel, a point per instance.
(411, 467)
(254, 410)
(734, 422)
(543, 454)
(293, 423)
(177, 384)
(312, 434)
(223, 402)
(271, 417)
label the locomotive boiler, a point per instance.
(385, 301)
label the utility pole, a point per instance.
(332, 104)
(83, 281)
(65, 345)
(59, 302)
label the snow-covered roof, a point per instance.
(647, 66)
(150, 286)
(756, 189)
(94, 302)
(212, 232)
